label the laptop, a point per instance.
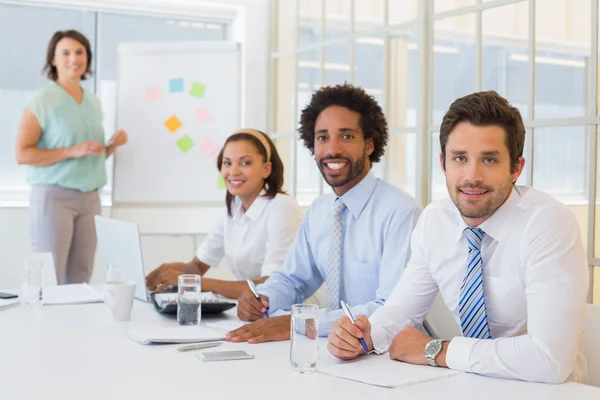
(119, 245)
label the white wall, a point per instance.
(254, 36)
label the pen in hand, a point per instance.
(351, 318)
(256, 295)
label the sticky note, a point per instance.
(197, 89)
(203, 114)
(209, 147)
(153, 93)
(185, 143)
(220, 182)
(173, 124)
(176, 85)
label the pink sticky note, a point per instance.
(209, 147)
(203, 114)
(153, 93)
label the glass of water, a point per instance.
(31, 291)
(304, 346)
(189, 310)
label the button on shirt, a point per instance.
(378, 221)
(65, 123)
(254, 242)
(535, 280)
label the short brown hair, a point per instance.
(354, 98)
(484, 109)
(49, 69)
(274, 183)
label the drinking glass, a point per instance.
(304, 346)
(189, 310)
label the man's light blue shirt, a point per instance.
(378, 220)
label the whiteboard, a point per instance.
(178, 103)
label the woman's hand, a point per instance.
(89, 147)
(119, 138)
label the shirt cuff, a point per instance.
(274, 303)
(458, 356)
(381, 343)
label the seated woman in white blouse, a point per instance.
(260, 225)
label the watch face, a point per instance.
(433, 347)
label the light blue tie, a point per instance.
(334, 256)
(473, 319)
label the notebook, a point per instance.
(7, 303)
(380, 370)
(78, 293)
(176, 334)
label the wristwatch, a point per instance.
(432, 349)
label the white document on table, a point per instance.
(227, 324)
(380, 370)
(7, 303)
(176, 334)
(79, 293)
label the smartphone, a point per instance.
(225, 355)
(7, 296)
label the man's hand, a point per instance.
(265, 330)
(165, 275)
(409, 346)
(250, 309)
(343, 339)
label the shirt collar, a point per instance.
(356, 198)
(493, 226)
(256, 208)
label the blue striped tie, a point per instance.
(473, 319)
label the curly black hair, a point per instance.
(372, 119)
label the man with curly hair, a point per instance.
(356, 240)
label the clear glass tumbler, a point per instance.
(189, 309)
(31, 291)
(304, 335)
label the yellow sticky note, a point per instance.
(220, 182)
(185, 143)
(197, 89)
(173, 124)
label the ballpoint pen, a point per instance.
(255, 293)
(199, 346)
(351, 318)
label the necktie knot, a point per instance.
(338, 206)
(474, 238)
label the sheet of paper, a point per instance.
(176, 334)
(173, 124)
(226, 325)
(185, 143)
(79, 293)
(203, 114)
(7, 303)
(379, 370)
(152, 94)
(176, 85)
(197, 89)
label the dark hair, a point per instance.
(49, 69)
(372, 120)
(484, 109)
(274, 182)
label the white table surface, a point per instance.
(79, 352)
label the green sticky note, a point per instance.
(197, 89)
(220, 182)
(185, 143)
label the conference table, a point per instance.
(79, 352)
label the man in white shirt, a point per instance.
(515, 244)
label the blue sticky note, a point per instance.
(176, 85)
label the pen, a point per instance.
(255, 293)
(351, 318)
(199, 346)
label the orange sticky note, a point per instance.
(173, 124)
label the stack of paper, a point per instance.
(380, 370)
(176, 334)
(7, 303)
(70, 294)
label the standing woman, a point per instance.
(61, 138)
